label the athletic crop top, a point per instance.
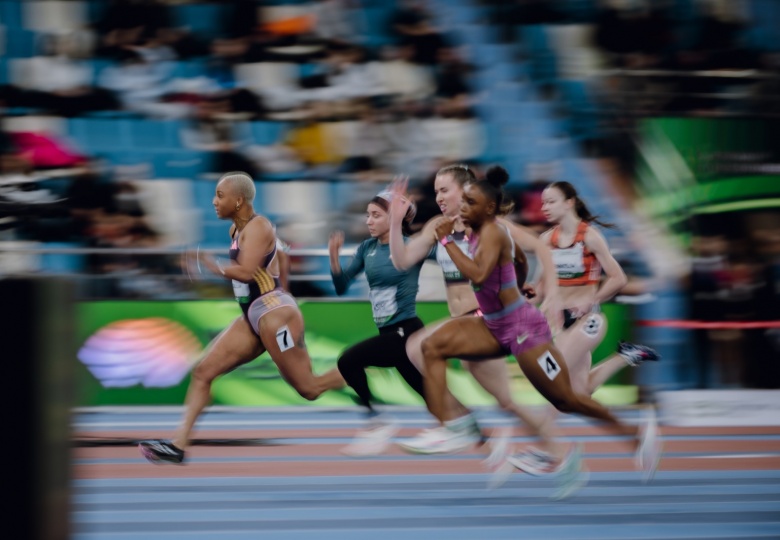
(575, 265)
(263, 282)
(502, 277)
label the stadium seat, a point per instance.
(182, 164)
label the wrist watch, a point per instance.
(446, 240)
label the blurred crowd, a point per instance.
(362, 90)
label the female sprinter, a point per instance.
(491, 374)
(580, 253)
(271, 320)
(393, 296)
(510, 324)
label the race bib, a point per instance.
(448, 267)
(569, 261)
(241, 291)
(383, 304)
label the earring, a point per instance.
(238, 206)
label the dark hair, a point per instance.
(460, 172)
(492, 186)
(569, 192)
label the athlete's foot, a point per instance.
(441, 440)
(161, 451)
(535, 462)
(374, 440)
(635, 354)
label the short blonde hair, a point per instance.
(241, 183)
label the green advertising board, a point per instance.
(141, 352)
(696, 166)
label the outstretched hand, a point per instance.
(335, 243)
(399, 203)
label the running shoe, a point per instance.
(535, 462)
(374, 440)
(571, 475)
(636, 354)
(158, 451)
(649, 452)
(441, 440)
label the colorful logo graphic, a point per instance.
(153, 352)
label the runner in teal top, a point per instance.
(393, 295)
(392, 292)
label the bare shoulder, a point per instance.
(545, 236)
(595, 240)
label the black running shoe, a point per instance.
(636, 354)
(157, 450)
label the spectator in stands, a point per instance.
(59, 82)
(400, 77)
(129, 23)
(452, 90)
(141, 83)
(208, 131)
(412, 24)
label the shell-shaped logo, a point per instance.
(154, 352)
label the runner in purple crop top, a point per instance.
(509, 325)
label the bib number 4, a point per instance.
(549, 365)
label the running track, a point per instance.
(293, 484)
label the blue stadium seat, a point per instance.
(61, 263)
(266, 133)
(204, 20)
(181, 164)
(95, 134)
(11, 14)
(20, 43)
(154, 134)
(203, 192)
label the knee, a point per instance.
(202, 374)
(431, 349)
(566, 404)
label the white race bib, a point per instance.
(569, 261)
(383, 303)
(240, 290)
(448, 267)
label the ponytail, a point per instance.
(580, 208)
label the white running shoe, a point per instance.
(571, 474)
(648, 454)
(374, 440)
(535, 462)
(441, 440)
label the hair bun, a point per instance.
(497, 176)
